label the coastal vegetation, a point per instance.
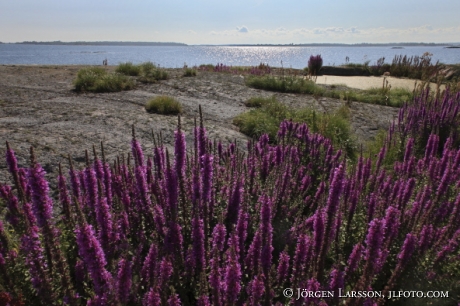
(97, 79)
(269, 114)
(293, 84)
(209, 225)
(146, 72)
(164, 105)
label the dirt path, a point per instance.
(38, 108)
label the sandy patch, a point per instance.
(364, 82)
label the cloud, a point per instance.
(191, 32)
(340, 34)
(242, 29)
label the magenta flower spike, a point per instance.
(93, 255)
(174, 300)
(37, 266)
(198, 244)
(42, 205)
(137, 152)
(283, 268)
(124, 280)
(152, 298)
(232, 278)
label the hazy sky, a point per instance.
(231, 21)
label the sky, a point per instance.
(231, 21)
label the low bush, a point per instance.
(151, 73)
(189, 72)
(96, 79)
(164, 105)
(291, 84)
(267, 118)
(128, 69)
(258, 101)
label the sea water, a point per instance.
(177, 56)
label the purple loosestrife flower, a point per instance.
(174, 300)
(29, 215)
(283, 268)
(180, 153)
(392, 223)
(255, 290)
(254, 253)
(92, 254)
(206, 174)
(218, 237)
(152, 298)
(336, 283)
(301, 259)
(235, 200)
(149, 266)
(373, 252)
(318, 226)
(198, 244)
(266, 229)
(451, 245)
(105, 225)
(232, 278)
(42, 204)
(241, 228)
(166, 270)
(124, 280)
(173, 240)
(203, 301)
(408, 248)
(91, 189)
(137, 152)
(37, 266)
(64, 196)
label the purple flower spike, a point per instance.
(138, 154)
(42, 204)
(198, 244)
(174, 300)
(92, 254)
(124, 280)
(232, 279)
(283, 267)
(152, 298)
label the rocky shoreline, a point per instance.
(39, 108)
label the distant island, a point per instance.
(102, 43)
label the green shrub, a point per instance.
(164, 105)
(151, 73)
(290, 84)
(189, 72)
(96, 79)
(383, 96)
(258, 101)
(267, 118)
(128, 69)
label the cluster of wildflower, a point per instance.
(314, 64)
(223, 227)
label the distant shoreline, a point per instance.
(176, 44)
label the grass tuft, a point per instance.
(164, 105)
(96, 79)
(128, 69)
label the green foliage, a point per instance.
(258, 101)
(151, 73)
(128, 69)
(189, 72)
(164, 105)
(267, 118)
(383, 96)
(96, 79)
(290, 84)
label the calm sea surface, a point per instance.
(175, 57)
